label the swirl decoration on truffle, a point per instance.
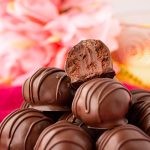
(47, 73)
(31, 82)
(59, 136)
(36, 89)
(24, 122)
(93, 97)
(123, 138)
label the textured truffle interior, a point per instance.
(88, 59)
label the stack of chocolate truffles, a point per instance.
(83, 107)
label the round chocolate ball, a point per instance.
(88, 59)
(101, 103)
(21, 129)
(126, 137)
(48, 89)
(63, 136)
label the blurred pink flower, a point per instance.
(39, 33)
(21, 55)
(38, 11)
(93, 22)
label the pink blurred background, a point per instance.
(39, 33)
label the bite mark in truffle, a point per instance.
(89, 59)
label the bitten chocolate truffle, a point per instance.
(126, 137)
(21, 129)
(48, 89)
(64, 136)
(101, 103)
(139, 112)
(88, 59)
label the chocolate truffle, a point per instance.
(64, 136)
(48, 89)
(88, 59)
(126, 137)
(21, 129)
(101, 103)
(139, 112)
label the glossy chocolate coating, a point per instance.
(101, 102)
(48, 89)
(64, 136)
(54, 115)
(68, 116)
(126, 137)
(139, 94)
(21, 129)
(43, 108)
(25, 105)
(89, 59)
(93, 132)
(139, 112)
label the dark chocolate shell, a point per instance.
(64, 136)
(102, 103)
(126, 137)
(21, 129)
(48, 89)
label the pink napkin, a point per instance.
(10, 99)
